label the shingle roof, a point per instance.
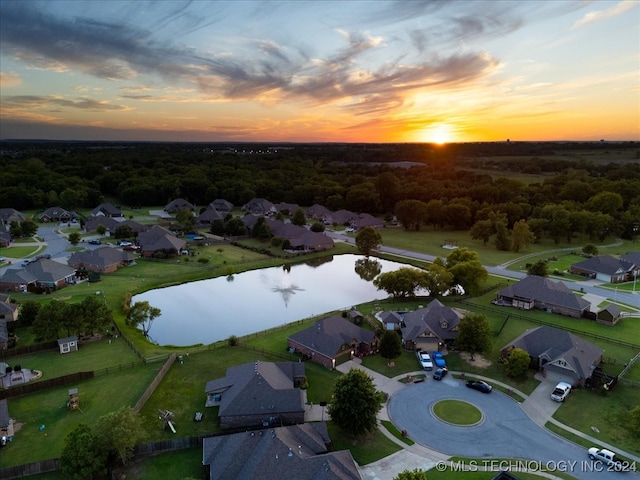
(106, 208)
(11, 214)
(606, 264)
(258, 388)
(101, 257)
(436, 318)
(178, 204)
(18, 277)
(633, 257)
(328, 335)
(46, 270)
(298, 452)
(556, 344)
(545, 290)
(159, 238)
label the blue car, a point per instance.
(438, 359)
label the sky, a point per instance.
(320, 71)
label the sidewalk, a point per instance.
(535, 405)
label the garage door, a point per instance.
(556, 377)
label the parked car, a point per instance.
(131, 248)
(124, 243)
(440, 373)
(95, 242)
(560, 392)
(608, 458)
(3, 259)
(425, 360)
(438, 359)
(25, 263)
(479, 385)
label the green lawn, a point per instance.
(19, 252)
(364, 449)
(98, 396)
(457, 412)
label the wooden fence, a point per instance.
(26, 388)
(28, 469)
(154, 384)
(17, 351)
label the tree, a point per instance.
(521, 236)
(124, 231)
(28, 313)
(439, 278)
(101, 230)
(467, 270)
(590, 250)
(299, 218)
(74, 238)
(15, 229)
(417, 474)
(517, 363)
(29, 228)
(49, 321)
(82, 456)
(368, 268)
(539, 268)
(402, 282)
(142, 314)
(482, 230)
(411, 214)
(96, 314)
(368, 239)
(261, 229)
(186, 219)
(119, 432)
(390, 345)
(474, 334)
(355, 403)
(317, 227)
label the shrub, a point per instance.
(203, 260)
(232, 341)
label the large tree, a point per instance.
(119, 432)
(417, 474)
(390, 345)
(28, 313)
(411, 214)
(466, 269)
(74, 238)
(474, 334)
(521, 236)
(367, 240)
(83, 457)
(517, 363)
(142, 314)
(355, 403)
(403, 282)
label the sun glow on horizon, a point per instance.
(439, 133)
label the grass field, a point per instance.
(20, 251)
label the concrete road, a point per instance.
(504, 432)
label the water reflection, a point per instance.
(210, 310)
(368, 268)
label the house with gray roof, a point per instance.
(55, 214)
(334, 340)
(300, 238)
(259, 206)
(429, 328)
(606, 268)
(41, 275)
(106, 210)
(8, 311)
(319, 212)
(543, 293)
(221, 205)
(209, 216)
(8, 215)
(159, 241)
(102, 260)
(109, 223)
(178, 204)
(259, 394)
(287, 208)
(300, 452)
(562, 356)
(366, 220)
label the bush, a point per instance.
(203, 260)
(232, 341)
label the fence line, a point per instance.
(28, 469)
(40, 347)
(26, 388)
(154, 384)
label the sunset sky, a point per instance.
(325, 71)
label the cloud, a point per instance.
(8, 80)
(53, 102)
(598, 15)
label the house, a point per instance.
(543, 293)
(109, 223)
(8, 215)
(5, 238)
(106, 210)
(103, 260)
(56, 214)
(178, 204)
(605, 268)
(209, 216)
(300, 238)
(301, 452)
(366, 220)
(259, 394)
(8, 311)
(333, 340)
(608, 315)
(562, 356)
(159, 241)
(319, 212)
(222, 206)
(259, 206)
(68, 344)
(343, 217)
(429, 328)
(39, 276)
(633, 257)
(287, 209)
(390, 320)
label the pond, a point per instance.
(210, 310)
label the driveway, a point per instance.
(506, 430)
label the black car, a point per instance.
(479, 385)
(440, 373)
(95, 242)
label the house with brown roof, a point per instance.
(259, 206)
(300, 238)
(300, 452)
(562, 356)
(543, 293)
(605, 268)
(259, 394)
(106, 210)
(209, 216)
(8, 215)
(429, 328)
(102, 260)
(334, 340)
(160, 241)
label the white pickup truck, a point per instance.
(608, 458)
(560, 392)
(425, 360)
